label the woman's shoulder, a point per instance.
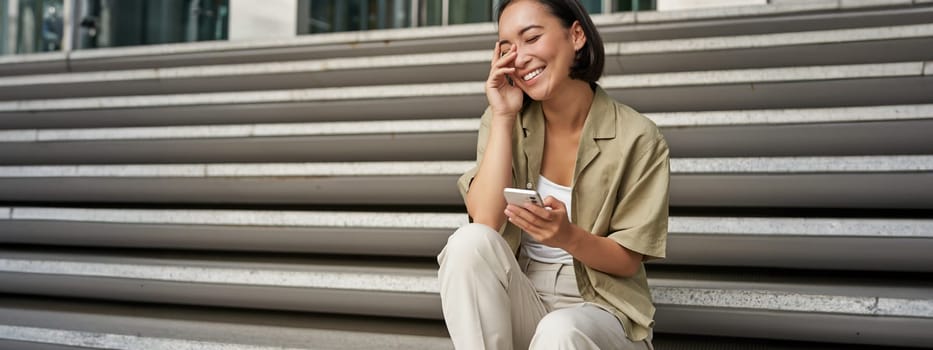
(630, 125)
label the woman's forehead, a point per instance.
(522, 16)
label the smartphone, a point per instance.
(519, 197)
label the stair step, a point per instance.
(76, 324)
(687, 303)
(89, 324)
(809, 182)
(765, 88)
(326, 232)
(801, 243)
(876, 130)
(844, 46)
(377, 288)
(402, 140)
(881, 244)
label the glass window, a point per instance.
(39, 26)
(635, 5)
(592, 6)
(429, 13)
(4, 22)
(342, 15)
(110, 23)
(469, 11)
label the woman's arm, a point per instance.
(643, 213)
(603, 254)
(553, 228)
(484, 199)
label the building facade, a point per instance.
(35, 26)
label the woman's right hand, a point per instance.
(504, 98)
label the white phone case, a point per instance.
(518, 196)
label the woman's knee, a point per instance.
(557, 324)
(470, 237)
(561, 329)
(587, 327)
(468, 242)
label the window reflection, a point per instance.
(430, 13)
(592, 6)
(40, 26)
(109, 23)
(4, 41)
(470, 11)
(634, 5)
(28, 26)
(327, 16)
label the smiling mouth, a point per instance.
(533, 74)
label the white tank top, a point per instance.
(536, 250)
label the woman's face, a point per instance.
(546, 49)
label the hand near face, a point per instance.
(549, 225)
(504, 98)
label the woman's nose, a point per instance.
(521, 58)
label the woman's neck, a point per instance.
(567, 111)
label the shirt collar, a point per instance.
(600, 124)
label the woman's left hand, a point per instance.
(549, 225)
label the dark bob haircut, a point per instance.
(588, 64)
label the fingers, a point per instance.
(508, 58)
(497, 76)
(502, 70)
(526, 216)
(553, 203)
(500, 59)
(521, 218)
(502, 67)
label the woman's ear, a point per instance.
(577, 35)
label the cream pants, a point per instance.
(492, 301)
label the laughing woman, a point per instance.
(569, 275)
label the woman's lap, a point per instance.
(569, 322)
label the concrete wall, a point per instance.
(251, 19)
(666, 5)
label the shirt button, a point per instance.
(529, 186)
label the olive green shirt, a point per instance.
(619, 190)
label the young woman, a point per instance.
(578, 281)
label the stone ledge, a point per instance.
(790, 165)
(143, 339)
(783, 297)
(481, 56)
(679, 166)
(664, 120)
(245, 130)
(774, 40)
(799, 227)
(635, 81)
(314, 277)
(244, 217)
(679, 225)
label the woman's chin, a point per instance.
(535, 93)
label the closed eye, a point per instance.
(533, 39)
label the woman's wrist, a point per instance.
(506, 120)
(577, 239)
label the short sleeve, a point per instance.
(639, 221)
(467, 178)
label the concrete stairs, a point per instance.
(293, 193)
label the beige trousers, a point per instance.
(493, 301)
